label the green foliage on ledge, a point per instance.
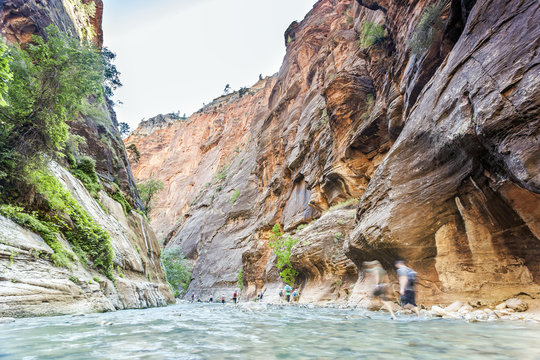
(235, 196)
(428, 27)
(282, 247)
(119, 197)
(47, 230)
(5, 73)
(240, 279)
(89, 240)
(370, 34)
(85, 170)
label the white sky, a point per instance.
(178, 54)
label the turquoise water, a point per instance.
(214, 331)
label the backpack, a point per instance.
(411, 276)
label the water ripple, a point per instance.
(214, 331)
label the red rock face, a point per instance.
(20, 19)
(441, 148)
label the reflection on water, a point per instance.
(204, 331)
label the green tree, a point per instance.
(282, 247)
(110, 72)
(52, 82)
(5, 73)
(136, 155)
(147, 190)
(240, 279)
(123, 128)
(177, 268)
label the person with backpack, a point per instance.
(381, 281)
(223, 299)
(407, 278)
(288, 290)
(234, 297)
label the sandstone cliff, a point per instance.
(439, 146)
(30, 284)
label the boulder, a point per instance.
(455, 306)
(438, 311)
(465, 309)
(516, 304)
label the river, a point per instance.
(215, 331)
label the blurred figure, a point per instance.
(380, 292)
(223, 299)
(407, 278)
(211, 299)
(234, 297)
(295, 295)
(288, 290)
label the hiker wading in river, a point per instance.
(407, 278)
(375, 269)
(288, 290)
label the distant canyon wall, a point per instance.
(380, 153)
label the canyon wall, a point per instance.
(30, 283)
(363, 149)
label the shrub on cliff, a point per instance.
(282, 247)
(235, 196)
(147, 190)
(5, 73)
(85, 170)
(89, 241)
(370, 34)
(46, 230)
(177, 268)
(135, 154)
(240, 279)
(428, 27)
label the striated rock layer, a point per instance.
(30, 285)
(441, 148)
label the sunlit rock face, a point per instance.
(31, 285)
(441, 149)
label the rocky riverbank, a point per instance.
(514, 309)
